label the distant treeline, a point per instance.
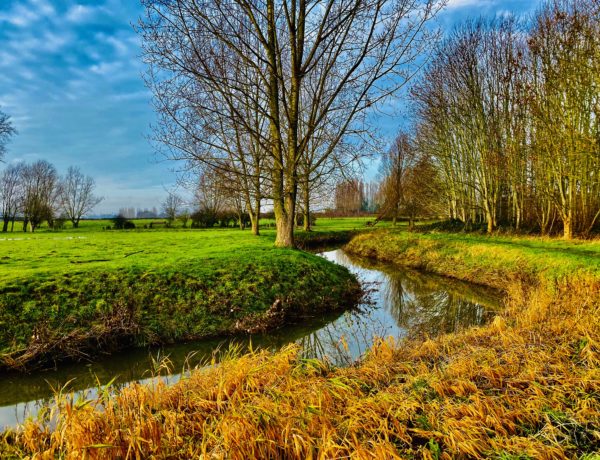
(33, 193)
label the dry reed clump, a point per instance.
(526, 385)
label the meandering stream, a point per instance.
(401, 302)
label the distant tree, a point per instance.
(349, 196)
(396, 164)
(6, 132)
(40, 193)
(421, 192)
(184, 217)
(211, 201)
(121, 222)
(77, 195)
(11, 194)
(171, 207)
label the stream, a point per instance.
(400, 303)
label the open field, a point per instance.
(65, 294)
(525, 386)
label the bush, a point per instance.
(121, 223)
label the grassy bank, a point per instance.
(72, 295)
(496, 261)
(525, 386)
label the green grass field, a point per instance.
(89, 247)
(69, 292)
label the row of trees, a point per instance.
(35, 193)
(275, 97)
(354, 196)
(508, 123)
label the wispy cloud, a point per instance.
(70, 79)
(454, 4)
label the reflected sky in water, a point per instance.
(399, 303)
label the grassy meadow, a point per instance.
(70, 293)
(526, 386)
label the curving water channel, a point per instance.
(401, 302)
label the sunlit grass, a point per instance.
(70, 293)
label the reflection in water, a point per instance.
(399, 303)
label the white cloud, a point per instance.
(455, 4)
(79, 13)
(27, 13)
(106, 68)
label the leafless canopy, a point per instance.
(277, 75)
(6, 132)
(77, 195)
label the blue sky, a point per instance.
(70, 77)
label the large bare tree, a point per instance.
(355, 54)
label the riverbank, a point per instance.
(495, 261)
(524, 386)
(67, 297)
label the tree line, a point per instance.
(507, 125)
(35, 192)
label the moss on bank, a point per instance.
(77, 314)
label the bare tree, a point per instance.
(11, 194)
(77, 195)
(355, 54)
(396, 167)
(6, 132)
(40, 193)
(171, 207)
(210, 200)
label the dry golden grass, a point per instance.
(525, 386)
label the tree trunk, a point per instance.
(75, 223)
(490, 223)
(567, 228)
(307, 226)
(254, 223)
(284, 204)
(5, 226)
(285, 229)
